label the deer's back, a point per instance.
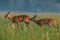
(47, 20)
(21, 18)
(17, 19)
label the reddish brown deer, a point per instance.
(41, 22)
(19, 18)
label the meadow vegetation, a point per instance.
(9, 31)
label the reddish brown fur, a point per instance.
(19, 18)
(41, 22)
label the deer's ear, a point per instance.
(9, 12)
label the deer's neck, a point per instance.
(10, 18)
(35, 21)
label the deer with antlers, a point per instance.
(18, 19)
(51, 22)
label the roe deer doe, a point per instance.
(19, 18)
(51, 22)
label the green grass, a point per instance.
(9, 31)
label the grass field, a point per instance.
(9, 31)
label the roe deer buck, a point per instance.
(41, 22)
(19, 18)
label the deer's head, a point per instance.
(8, 15)
(34, 18)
